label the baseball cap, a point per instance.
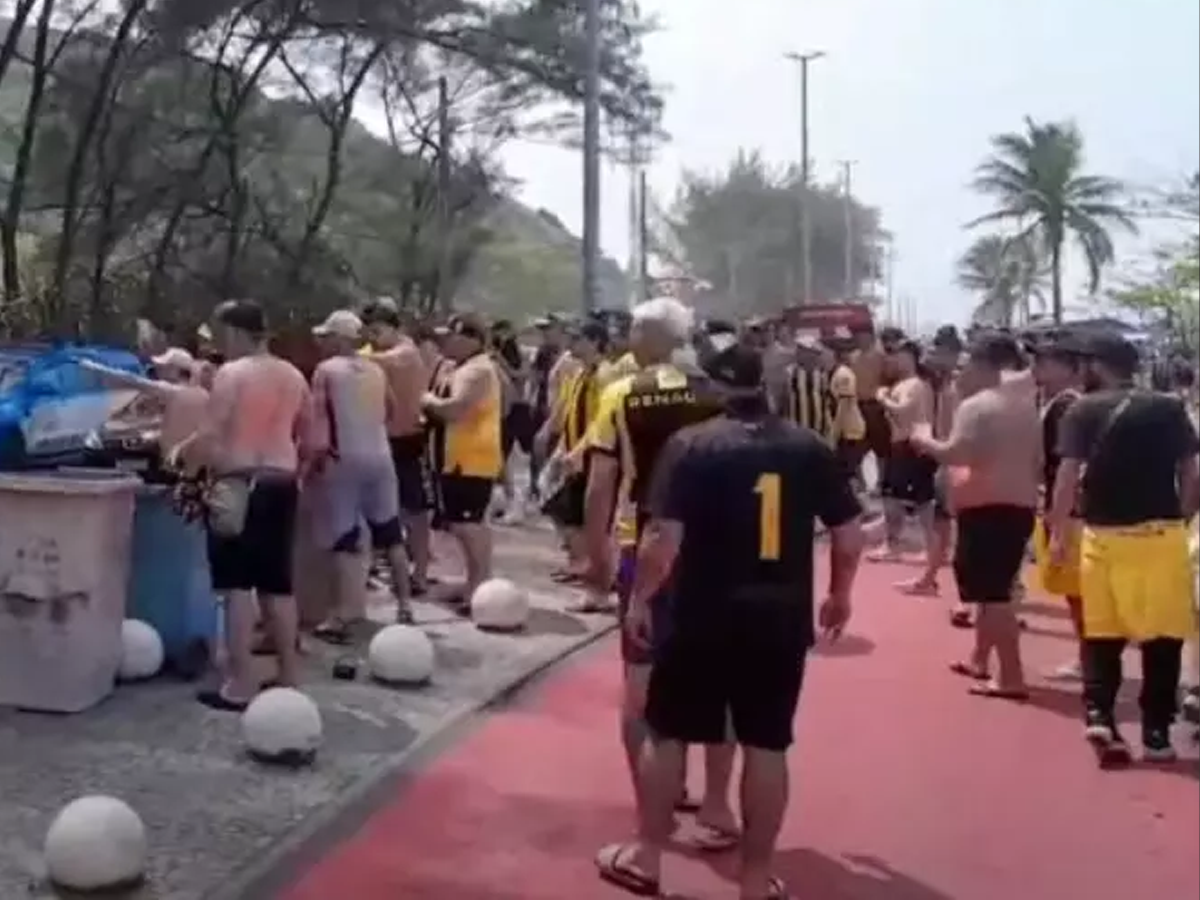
(244, 315)
(946, 338)
(1064, 348)
(175, 358)
(1114, 351)
(468, 326)
(341, 323)
(739, 367)
(997, 349)
(381, 312)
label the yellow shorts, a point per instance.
(1136, 582)
(1062, 579)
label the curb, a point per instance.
(276, 868)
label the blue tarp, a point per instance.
(46, 379)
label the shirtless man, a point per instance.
(868, 363)
(994, 452)
(907, 482)
(407, 377)
(352, 404)
(253, 441)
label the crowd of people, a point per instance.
(688, 469)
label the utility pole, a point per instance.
(443, 197)
(890, 283)
(848, 291)
(643, 238)
(591, 155)
(803, 59)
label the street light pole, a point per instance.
(803, 59)
(848, 237)
(591, 155)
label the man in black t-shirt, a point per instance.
(1131, 458)
(731, 521)
(1058, 368)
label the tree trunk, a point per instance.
(12, 41)
(11, 224)
(1056, 296)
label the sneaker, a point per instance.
(1156, 745)
(1101, 732)
(1071, 671)
(1191, 705)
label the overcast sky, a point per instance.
(911, 90)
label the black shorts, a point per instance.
(414, 478)
(567, 506)
(260, 558)
(850, 455)
(990, 551)
(908, 476)
(879, 429)
(463, 499)
(518, 429)
(748, 671)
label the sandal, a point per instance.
(686, 804)
(996, 692)
(961, 618)
(714, 839)
(217, 699)
(966, 670)
(333, 631)
(776, 890)
(613, 864)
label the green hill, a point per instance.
(524, 261)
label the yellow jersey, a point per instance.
(471, 444)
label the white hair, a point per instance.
(668, 313)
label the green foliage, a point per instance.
(1168, 295)
(739, 230)
(189, 150)
(1009, 275)
(1037, 181)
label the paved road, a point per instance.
(212, 815)
(905, 788)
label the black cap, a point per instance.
(738, 366)
(1114, 351)
(1066, 349)
(946, 338)
(468, 326)
(594, 331)
(378, 313)
(997, 349)
(244, 315)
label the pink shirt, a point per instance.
(258, 414)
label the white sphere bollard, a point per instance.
(96, 843)
(141, 651)
(500, 605)
(401, 655)
(282, 726)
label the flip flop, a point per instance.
(686, 804)
(712, 839)
(960, 618)
(217, 700)
(612, 863)
(966, 670)
(336, 633)
(777, 890)
(994, 691)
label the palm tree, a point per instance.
(1037, 182)
(1009, 275)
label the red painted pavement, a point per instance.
(905, 788)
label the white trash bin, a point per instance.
(64, 561)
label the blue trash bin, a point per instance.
(169, 583)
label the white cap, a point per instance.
(175, 358)
(341, 323)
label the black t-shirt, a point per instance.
(747, 492)
(1052, 415)
(1131, 458)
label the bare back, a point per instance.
(1003, 434)
(258, 410)
(408, 378)
(915, 397)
